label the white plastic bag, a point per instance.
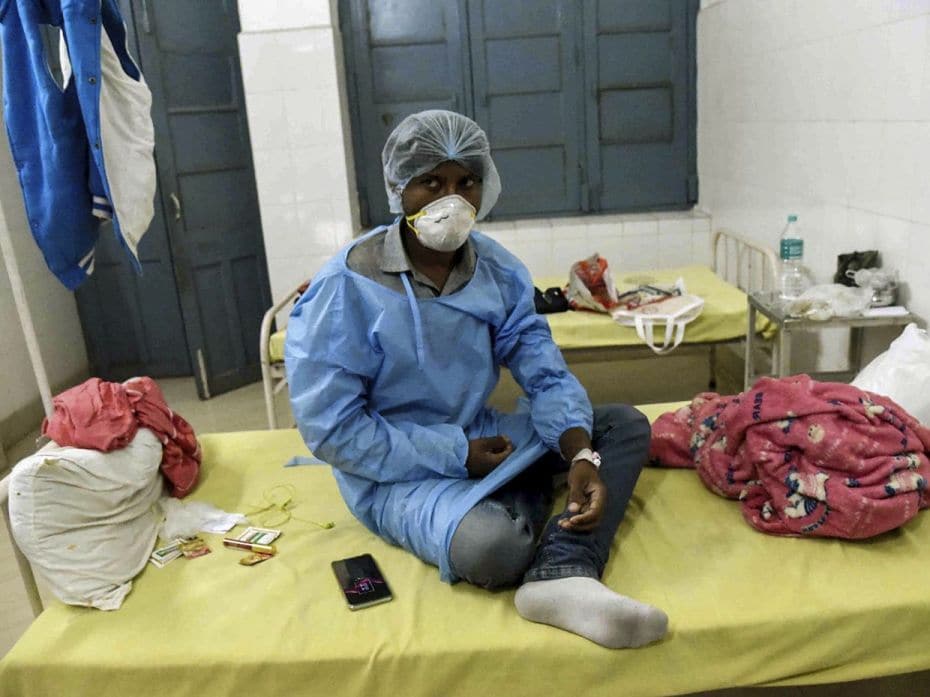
(830, 300)
(187, 518)
(86, 520)
(672, 313)
(590, 285)
(902, 373)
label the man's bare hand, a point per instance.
(485, 454)
(587, 497)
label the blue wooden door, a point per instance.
(526, 70)
(190, 57)
(132, 323)
(404, 56)
(640, 106)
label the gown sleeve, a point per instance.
(524, 345)
(330, 361)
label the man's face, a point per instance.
(445, 179)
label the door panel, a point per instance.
(640, 102)
(132, 323)
(190, 57)
(526, 71)
(406, 56)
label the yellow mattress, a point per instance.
(745, 608)
(276, 346)
(723, 318)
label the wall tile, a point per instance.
(864, 155)
(263, 16)
(674, 242)
(640, 227)
(320, 171)
(302, 116)
(900, 187)
(279, 223)
(638, 252)
(308, 57)
(262, 60)
(908, 48)
(914, 273)
(608, 241)
(901, 9)
(268, 126)
(274, 177)
(920, 210)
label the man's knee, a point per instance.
(490, 549)
(631, 422)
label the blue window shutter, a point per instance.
(526, 70)
(639, 103)
(403, 57)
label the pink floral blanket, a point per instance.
(820, 459)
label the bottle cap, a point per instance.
(792, 218)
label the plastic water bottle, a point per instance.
(791, 250)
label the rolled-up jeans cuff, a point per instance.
(549, 573)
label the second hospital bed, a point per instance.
(739, 266)
(745, 608)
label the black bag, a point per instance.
(853, 262)
(552, 300)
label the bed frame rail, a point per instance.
(743, 262)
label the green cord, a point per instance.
(279, 508)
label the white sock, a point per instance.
(587, 607)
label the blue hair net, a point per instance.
(423, 140)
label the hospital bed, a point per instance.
(745, 608)
(739, 266)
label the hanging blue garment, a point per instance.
(389, 388)
(55, 134)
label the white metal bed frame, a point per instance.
(736, 259)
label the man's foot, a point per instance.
(587, 607)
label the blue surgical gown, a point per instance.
(389, 389)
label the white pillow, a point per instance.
(85, 519)
(902, 373)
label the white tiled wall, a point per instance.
(820, 108)
(298, 122)
(628, 242)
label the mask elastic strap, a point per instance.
(417, 320)
(411, 218)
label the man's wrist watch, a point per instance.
(589, 455)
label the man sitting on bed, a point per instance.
(391, 355)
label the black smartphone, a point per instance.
(361, 581)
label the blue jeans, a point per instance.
(505, 538)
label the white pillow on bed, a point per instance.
(902, 373)
(85, 519)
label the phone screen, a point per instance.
(361, 581)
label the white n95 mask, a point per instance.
(444, 224)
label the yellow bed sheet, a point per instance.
(745, 608)
(723, 318)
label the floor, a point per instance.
(244, 409)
